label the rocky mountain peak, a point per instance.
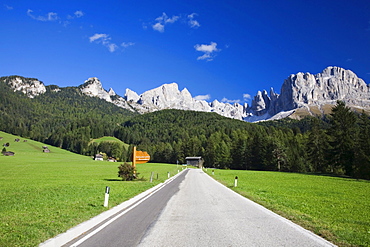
(305, 89)
(29, 86)
(93, 88)
(111, 92)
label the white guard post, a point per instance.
(236, 181)
(107, 189)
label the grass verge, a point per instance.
(337, 209)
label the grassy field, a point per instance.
(44, 194)
(336, 208)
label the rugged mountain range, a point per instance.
(299, 91)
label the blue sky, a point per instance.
(224, 50)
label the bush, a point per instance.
(127, 172)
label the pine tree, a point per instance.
(343, 135)
(317, 147)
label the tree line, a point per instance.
(336, 144)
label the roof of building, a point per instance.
(193, 158)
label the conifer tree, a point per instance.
(343, 136)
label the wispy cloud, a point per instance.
(193, 23)
(8, 7)
(51, 16)
(105, 39)
(127, 44)
(162, 21)
(158, 27)
(247, 97)
(225, 100)
(209, 51)
(202, 97)
(77, 14)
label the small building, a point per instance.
(194, 161)
(98, 157)
(46, 150)
(112, 159)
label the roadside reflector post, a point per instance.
(107, 189)
(168, 174)
(236, 181)
(151, 177)
(213, 172)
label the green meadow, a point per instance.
(336, 208)
(44, 194)
(110, 139)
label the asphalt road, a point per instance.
(195, 210)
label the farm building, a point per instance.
(194, 161)
(98, 157)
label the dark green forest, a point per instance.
(337, 144)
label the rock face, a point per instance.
(298, 91)
(305, 89)
(93, 87)
(168, 96)
(29, 86)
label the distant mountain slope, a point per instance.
(62, 117)
(299, 91)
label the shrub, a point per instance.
(127, 172)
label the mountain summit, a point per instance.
(299, 91)
(305, 90)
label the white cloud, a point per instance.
(225, 100)
(206, 56)
(112, 47)
(193, 23)
(158, 27)
(79, 13)
(104, 39)
(165, 19)
(202, 97)
(76, 14)
(247, 97)
(99, 36)
(51, 16)
(127, 44)
(206, 48)
(208, 51)
(162, 20)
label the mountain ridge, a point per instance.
(301, 90)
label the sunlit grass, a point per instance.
(333, 207)
(44, 194)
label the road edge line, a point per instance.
(80, 229)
